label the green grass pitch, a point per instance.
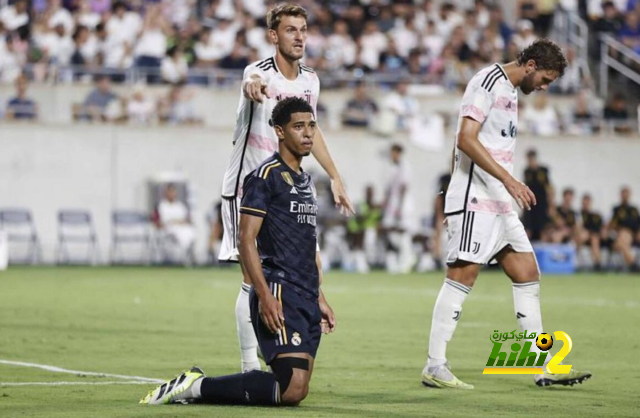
(155, 322)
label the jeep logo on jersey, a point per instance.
(511, 131)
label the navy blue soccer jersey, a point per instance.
(287, 239)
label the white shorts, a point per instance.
(231, 227)
(477, 237)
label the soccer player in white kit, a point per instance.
(481, 223)
(264, 84)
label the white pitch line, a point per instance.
(80, 373)
(130, 382)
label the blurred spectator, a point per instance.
(114, 55)
(497, 23)
(238, 58)
(625, 227)
(95, 105)
(528, 10)
(140, 109)
(565, 222)
(85, 48)
(609, 20)
(55, 15)
(372, 44)
(403, 106)
(397, 214)
(598, 8)
(151, 45)
(592, 231)
(341, 49)
(123, 27)
(216, 231)
(56, 45)
(206, 52)
(86, 15)
(360, 109)
(15, 16)
(21, 107)
(629, 33)
(449, 19)
(11, 61)
(174, 66)
(175, 220)
(525, 35)
(581, 120)
(177, 106)
(576, 75)
(362, 231)
(438, 219)
(432, 41)
(391, 62)
(616, 114)
(536, 177)
(405, 36)
(541, 119)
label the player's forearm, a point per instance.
(480, 156)
(251, 262)
(321, 152)
(319, 265)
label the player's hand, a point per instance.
(271, 313)
(256, 89)
(341, 199)
(328, 322)
(521, 193)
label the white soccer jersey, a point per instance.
(255, 139)
(492, 100)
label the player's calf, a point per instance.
(293, 375)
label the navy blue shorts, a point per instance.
(301, 332)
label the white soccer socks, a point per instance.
(446, 314)
(246, 335)
(526, 301)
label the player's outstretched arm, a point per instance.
(270, 308)
(255, 88)
(321, 152)
(469, 143)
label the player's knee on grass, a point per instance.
(292, 374)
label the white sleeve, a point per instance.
(476, 103)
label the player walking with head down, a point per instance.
(481, 223)
(265, 83)
(288, 309)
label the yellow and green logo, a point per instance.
(521, 360)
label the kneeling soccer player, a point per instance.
(288, 309)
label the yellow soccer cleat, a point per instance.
(175, 390)
(441, 377)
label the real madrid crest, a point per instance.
(296, 340)
(287, 178)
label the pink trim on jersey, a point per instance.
(501, 156)
(505, 103)
(262, 142)
(494, 206)
(474, 112)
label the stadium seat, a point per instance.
(75, 226)
(130, 227)
(20, 228)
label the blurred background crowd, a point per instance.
(387, 68)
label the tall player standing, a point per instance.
(481, 223)
(264, 84)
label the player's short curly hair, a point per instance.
(274, 16)
(546, 54)
(281, 114)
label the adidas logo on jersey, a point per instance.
(293, 191)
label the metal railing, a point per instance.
(614, 54)
(571, 30)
